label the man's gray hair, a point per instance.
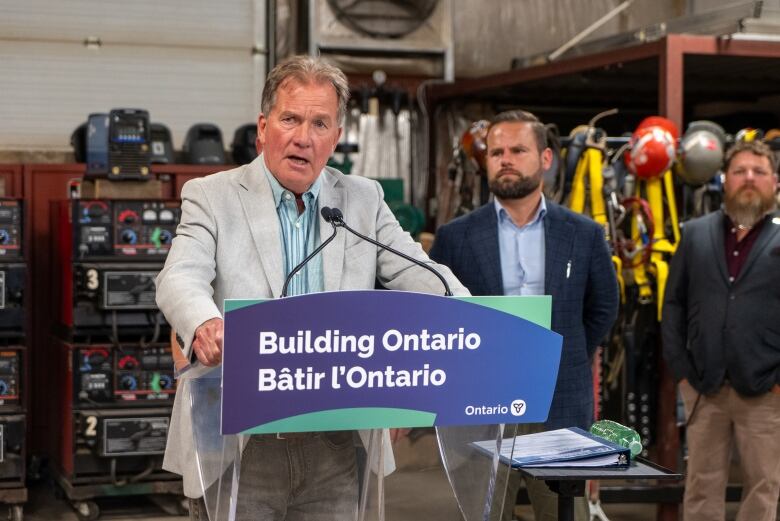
(305, 69)
(522, 116)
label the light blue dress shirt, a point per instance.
(522, 252)
(300, 236)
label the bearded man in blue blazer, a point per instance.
(521, 244)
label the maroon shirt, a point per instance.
(737, 251)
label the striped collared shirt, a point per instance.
(300, 235)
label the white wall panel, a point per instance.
(48, 88)
(226, 23)
(186, 61)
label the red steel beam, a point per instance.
(670, 79)
(440, 92)
(670, 105)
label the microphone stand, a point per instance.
(337, 219)
(326, 214)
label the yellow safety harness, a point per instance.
(589, 179)
(656, 189)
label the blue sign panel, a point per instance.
(374, 359)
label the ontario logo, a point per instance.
(516, 408)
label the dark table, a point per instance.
(569, 483)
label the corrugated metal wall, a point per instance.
(700, 6)
(488, 35)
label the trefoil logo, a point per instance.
(517, 408)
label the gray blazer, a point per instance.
(711, 325)
(228, 246)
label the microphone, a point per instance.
(337, 220)
(327, 214)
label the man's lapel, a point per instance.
(332, 195)
(719, 243)
(483, 237)
(767, 234)
(558, 247)
(258, 203)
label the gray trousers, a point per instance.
(304, 477)
(543, 500)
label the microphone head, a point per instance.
(336, 215)
(327, 214)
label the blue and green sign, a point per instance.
(375, 359)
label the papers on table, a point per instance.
(570, 447)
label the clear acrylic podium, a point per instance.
(496, 355)
(477, 483)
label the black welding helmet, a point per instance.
(243, 148)
(203, 145)
(78, 140)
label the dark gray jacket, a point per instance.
(710, 325)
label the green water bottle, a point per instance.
(620, 434)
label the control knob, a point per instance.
(128, 383)
(129, 237)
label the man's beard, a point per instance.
(748, 213)
(519, 187)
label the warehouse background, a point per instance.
(188, 61)
(415, 95)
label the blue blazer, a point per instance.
(584, 301)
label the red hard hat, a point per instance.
(664, 123)
(652, 152)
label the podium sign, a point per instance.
(376, 359)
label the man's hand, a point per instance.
(208, 342)
(398, 434)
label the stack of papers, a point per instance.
(572, 448)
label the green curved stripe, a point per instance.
(535, 308)
(233, 304)
(347, 419)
